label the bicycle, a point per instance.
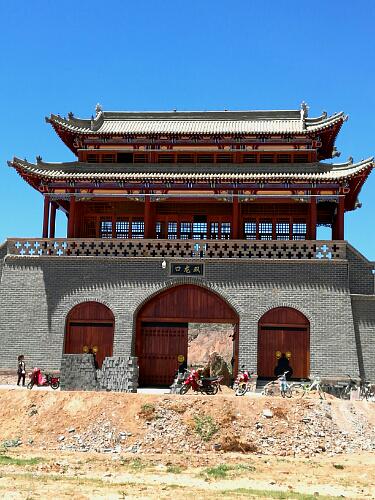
(284, 387)
(314, 385)
(348, 388)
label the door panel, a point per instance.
(293, 340)
(90, 335)
(161, 344)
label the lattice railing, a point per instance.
(212, 249)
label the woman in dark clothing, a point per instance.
(283, 366)
(21, 371)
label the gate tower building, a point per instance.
(204, 217)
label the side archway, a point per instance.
(90, 328)
(283, 330)
(162, 328)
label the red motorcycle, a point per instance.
(205, 385)
(37, 378)
(242, 383)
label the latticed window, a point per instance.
(138, 229)
(105, 229)
(185, 230)
(199, 230)
(265, 230)
(122, 229)
(172, 230)
(299, 231)
(250, 230)
(214, 231)
(158, 230)
(282, 230)
(225, 230)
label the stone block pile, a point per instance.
(119, 374)
(78, 373)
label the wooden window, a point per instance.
(108, 158)
(266, 158)
(224, 158)
(282, 230)
(172, 230)
(165, 158)
(214, 231)
(138, 229)
(92, 158)
(185, 158)
(265, 230)
(299, 230)
(301, 158)
(185, 230)
(205, 158)
(122, 229)
(283, 158)
(250, 230)
(105, 230)
(225, 231)
(250, 158)
(158, 230)
(140, 158)
(199, 230)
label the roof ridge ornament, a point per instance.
(98, 109)
(38, 159)
(70, 115)
(335, 152)
(304, 113)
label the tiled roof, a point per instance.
(193, 122)
(77, 171)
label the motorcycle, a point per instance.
(242, 383)
(204, 385)
(37, 378)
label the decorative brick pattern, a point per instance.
(212, 249)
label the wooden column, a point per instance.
(71, 221)
(313, 218)
(45, 217)
(52, 221)
(235, 218)
(340, 218)
(147, 217)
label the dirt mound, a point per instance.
(141, 423)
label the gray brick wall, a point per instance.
(364, 326)
(36, 294)
(361, 278)
(3, 251)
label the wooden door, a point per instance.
(97, 336)
(292, 340)
(284, 330)
(90, 326)
(161, 344)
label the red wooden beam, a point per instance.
(71, 221)
(52, 222)
(235, 218)
(312, 219)
(45, 217)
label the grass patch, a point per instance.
(147, 411)
(286, 495)
(5, 460)
(221, 471)
(11, 443)
(338, 466)
(205, 426)
(174, 469)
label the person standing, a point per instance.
(21, 371)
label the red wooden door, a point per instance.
(161, 344)
(90, 325)
(284, 330)
(97, 336)
(283, 340)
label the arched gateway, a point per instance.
(90, 327)
(162, 328)
(284, 330)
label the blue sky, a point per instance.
(66, 56)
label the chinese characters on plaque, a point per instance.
(186, 269)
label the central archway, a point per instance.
(162, 328)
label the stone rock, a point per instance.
(217, 366)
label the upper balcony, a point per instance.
(177, 249)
